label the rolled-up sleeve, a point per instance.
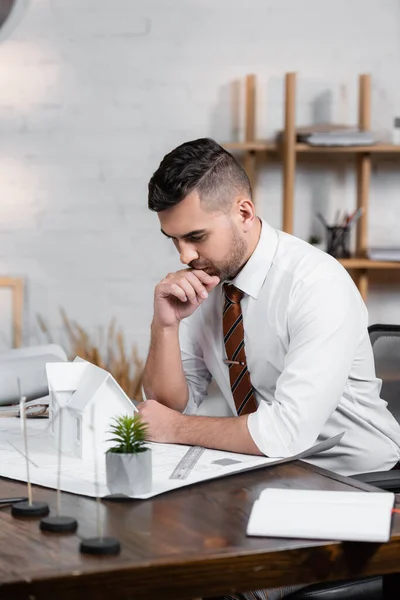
(326, 321)
(196, 372)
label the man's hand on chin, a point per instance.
(163, 422)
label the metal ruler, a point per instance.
(187, 462)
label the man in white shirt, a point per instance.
(306, 343)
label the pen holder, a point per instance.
(337, 241)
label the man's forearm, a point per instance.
(221, 433)
(163, 378)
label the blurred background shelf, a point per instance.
(256, 146)
(374, 149)
(287, 150)
(366, 263)
(272, 147)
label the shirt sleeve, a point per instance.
(196, 372)
(326, 321)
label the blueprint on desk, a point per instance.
(78, 476)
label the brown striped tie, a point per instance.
(232, 325)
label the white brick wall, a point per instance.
(94, 92)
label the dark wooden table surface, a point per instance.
(184, 544)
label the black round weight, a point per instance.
(59, 524)
(100, 546)
(24, 509)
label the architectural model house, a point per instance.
(85, 398)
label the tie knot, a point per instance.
(233, 293)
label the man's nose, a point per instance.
(187, 253)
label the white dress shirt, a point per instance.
(308, 353)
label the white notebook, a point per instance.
(310, 514)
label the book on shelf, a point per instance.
(331, 134)
(389, 254)
(327, 515)
(354, 137)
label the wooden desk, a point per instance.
(181, 545)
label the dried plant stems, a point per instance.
(109, 354)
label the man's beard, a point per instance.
(233, 263)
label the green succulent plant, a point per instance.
(314, 239)
(129, 434)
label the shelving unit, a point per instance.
(287, 151)
(17, 288)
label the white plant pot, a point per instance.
(129, 474)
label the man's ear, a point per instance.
(246, 213)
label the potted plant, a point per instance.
(128, 461)
(316, 241)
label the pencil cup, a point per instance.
(338, 241)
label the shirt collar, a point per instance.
(251, 278)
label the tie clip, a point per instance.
(234, 362)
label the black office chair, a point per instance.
(385, 341)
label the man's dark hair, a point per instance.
(201, 165)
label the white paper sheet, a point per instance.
(327, 515)
(77, 476)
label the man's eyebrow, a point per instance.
(186, 235)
